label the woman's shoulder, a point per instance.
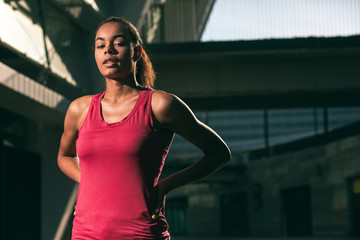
(78, 109)
(162, 100)
(166, 106)
(80, 104)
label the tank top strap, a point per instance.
(147, 107)
(91, 116)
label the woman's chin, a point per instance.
(114, 74)
(117, 77)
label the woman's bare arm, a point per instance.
(67, 159)
(173, 114)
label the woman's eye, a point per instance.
(119, 44)
(100, 46)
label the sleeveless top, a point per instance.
(120, 166)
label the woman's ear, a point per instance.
(137, 53)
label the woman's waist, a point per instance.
(121, 224)
(116, 196)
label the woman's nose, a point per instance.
(110, 49)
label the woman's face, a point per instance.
(114, 52)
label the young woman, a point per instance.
(121, 137)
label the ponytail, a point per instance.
(145, 74)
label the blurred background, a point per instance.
(279, 80)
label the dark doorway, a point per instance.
(234, 214)
(355, 205)
(19, 194)
(296, 211)
(177, 215)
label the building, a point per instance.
(45, 45)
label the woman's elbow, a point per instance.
(222, 154)
(60, 161)
(226, 154)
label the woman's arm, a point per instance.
(67, 159)
(173, 114)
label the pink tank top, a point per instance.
(120, 166)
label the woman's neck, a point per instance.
(117, 89)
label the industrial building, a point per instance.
(288, 107)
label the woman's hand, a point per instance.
(160, 201)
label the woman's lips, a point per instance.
(110, 62)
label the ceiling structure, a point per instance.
(53, 29)
(208, 76)
(261, 74)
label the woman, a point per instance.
(121, 138)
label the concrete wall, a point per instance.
(56, 187)
(24, 134)
(326, 169)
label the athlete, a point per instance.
(115, 143)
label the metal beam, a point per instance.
(21, 63)
(28, 98)
(263, 74)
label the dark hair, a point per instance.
(145, 74)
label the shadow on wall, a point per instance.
(20, 185)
